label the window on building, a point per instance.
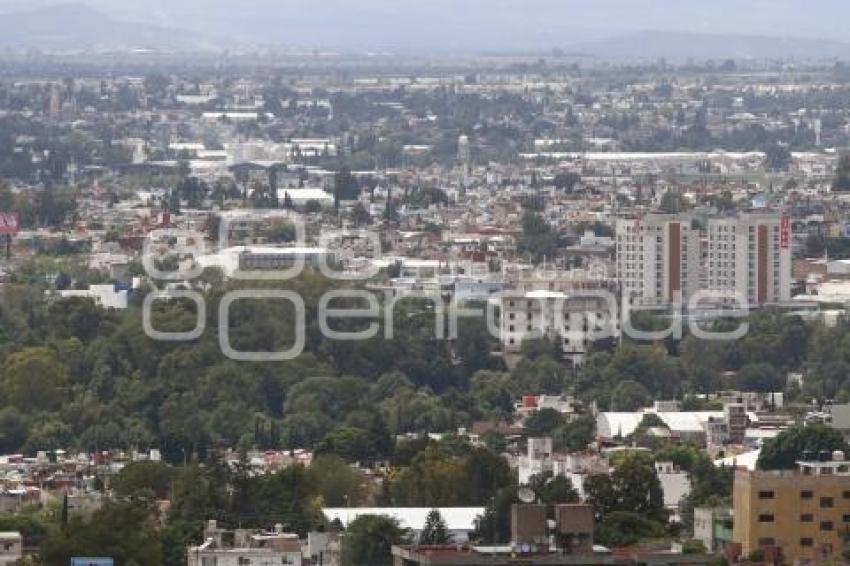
(766, 518)
(806, 494)
(826, 525)
(769, 541)
(806, 541)
(766, 495)
(807, 518)
(826, 502)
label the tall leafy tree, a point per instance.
(369, 540)
(543, 422)
(435, 531)
(553, 490)
(539, 239)
(633, 487)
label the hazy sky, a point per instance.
(488, 24)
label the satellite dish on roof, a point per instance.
(526, 495)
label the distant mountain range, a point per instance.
(678, 46)
(78, 26)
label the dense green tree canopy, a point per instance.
(783, 451)
(124, 531)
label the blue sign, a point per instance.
(92, 562)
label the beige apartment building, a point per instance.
(804, 514)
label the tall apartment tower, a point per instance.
(750, 255)
(658, 258)
(464, 151)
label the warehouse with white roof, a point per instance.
(459, 520)
(688, 425)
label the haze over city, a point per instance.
(472, 25)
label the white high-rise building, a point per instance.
(658, 258)
(464, 152)
(750, 255)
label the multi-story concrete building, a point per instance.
(750, 255)
(730, 429)
(735, 415)
(839, 418)
(803, 514)
(576, 467)
(675, 484)
(242, 547)
(538, 460)
(573, 532)
(574, 319)
(658, 258)
(716, 435)
(713, 527)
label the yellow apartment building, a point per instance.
(804, 513)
